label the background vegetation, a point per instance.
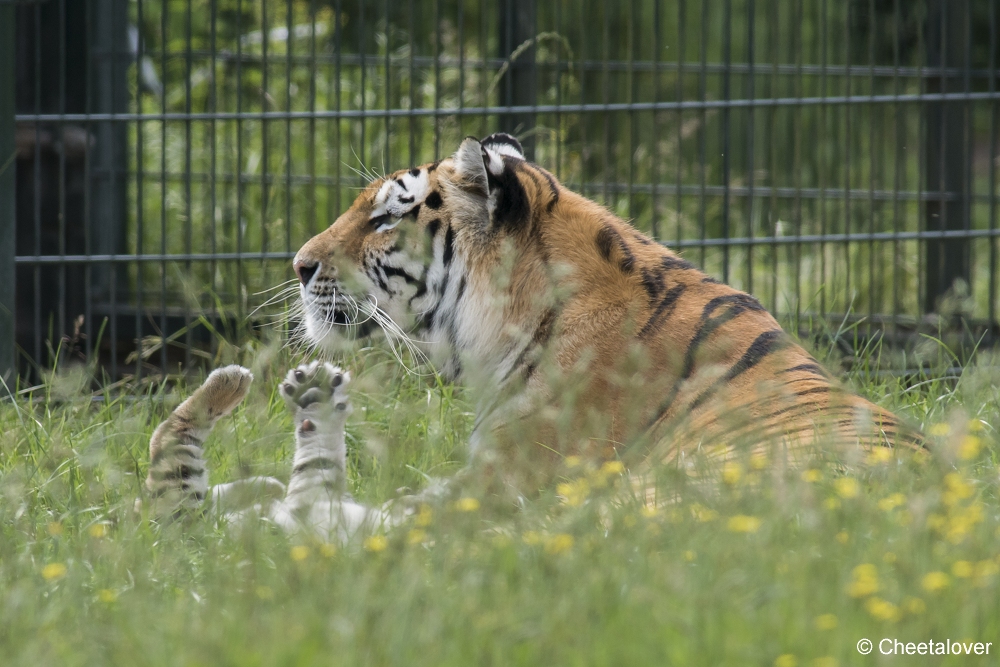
(686, 175)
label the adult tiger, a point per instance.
(567, 320)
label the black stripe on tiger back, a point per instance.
(664, 310)
(738, 302)
(606, 239)
(762, 346)
(812, 368)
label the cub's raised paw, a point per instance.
(316, 390)
(223, 390)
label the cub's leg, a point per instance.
(177, 476)
(316, 395)
(317, 498)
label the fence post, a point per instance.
(946, 151)
(518, 87)
(7, 171)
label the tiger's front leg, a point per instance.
(178, 478)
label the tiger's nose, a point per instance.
(305, 270)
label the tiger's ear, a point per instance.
(503, 144)
(470, 165)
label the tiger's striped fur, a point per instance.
(520, 286)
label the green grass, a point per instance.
(729, 573)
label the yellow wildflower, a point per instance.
(531, 537)
(574, 493)
(416, 536)
(847, 487)
(758, 461)
(891, 502)
(376, 543)
(939, 429)
(958, 489)
(832, 503)
(98, 530)
(843, 536)
(649, 511)
(689, 555)
(55, 529)
(914, 605)
(825, 622)
(300, 552)
(969, 447)
(424, 516)
(572, 461)
(613, 468)
(107, 596)
(702, 513)
(53, 571)
(864, 581)
(880, 455)
(935, 581)
(812, 475)
(975, 426)
(559, 543)
(732, 473)
(962, 569)
(467, 504)
(741, 523)
(786, 660)
(328, 550)
(882, 609)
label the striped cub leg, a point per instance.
(316, 395)
(177, 477)
(317, 497)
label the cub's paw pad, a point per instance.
(224, 389)
(316, 385)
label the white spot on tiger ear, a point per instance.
(505, 149)
(494, 161)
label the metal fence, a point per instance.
(164, 159)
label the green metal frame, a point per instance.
(7, 171)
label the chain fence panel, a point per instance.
(836, 159)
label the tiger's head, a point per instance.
(420, 254)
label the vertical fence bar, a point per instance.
(992, 314)
(945, 148)
(727, 42)
(517, 28)
(7, 190)
(750, 161)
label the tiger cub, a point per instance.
(316, 498)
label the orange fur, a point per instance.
(552, 283)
